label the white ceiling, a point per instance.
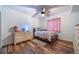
(31, 9)
(39, 7)
(36, 9)
(75, 8)
(26, 10)
(61, 9)
(55, 9)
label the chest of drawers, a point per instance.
(76, 40)
(22, 36)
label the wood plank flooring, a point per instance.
(31, 47)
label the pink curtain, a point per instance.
(54, 25)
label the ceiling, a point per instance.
(75, 8)
(35, 10)
(39, 7)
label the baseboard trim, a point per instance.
(7, 45)
(65, 41)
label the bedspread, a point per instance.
(44, 34)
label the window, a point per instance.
(54, 25)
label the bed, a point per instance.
(44, 35)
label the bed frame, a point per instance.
(53, 38)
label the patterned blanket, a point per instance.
(44, 34)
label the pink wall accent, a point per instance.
(54, 25)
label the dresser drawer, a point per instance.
(19, 37)
(27, 33)
(77, 39)
(19, 33)
(76, 50)
(76, 42)
(77, 27)
(77, 34)
(22, 36)
(18, 40)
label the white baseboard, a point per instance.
(6, 42)
(66, 39)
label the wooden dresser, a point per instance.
(76, 41)
(22, 36)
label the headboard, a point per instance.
(38, 29)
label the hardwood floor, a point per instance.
(31, 47)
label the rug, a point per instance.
(39, 42)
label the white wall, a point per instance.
(10, 18)
(0, 25)
(0, 29)
(36, 22)
(68, 22)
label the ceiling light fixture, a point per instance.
(43, 15)
(43, 12)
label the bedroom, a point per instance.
(30, 14)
